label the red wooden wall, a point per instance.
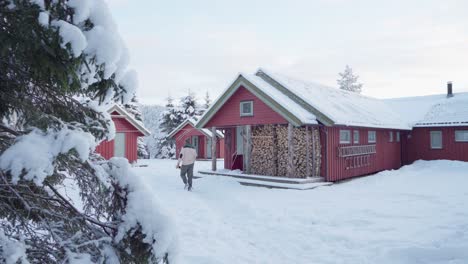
(106, 148)
(387, 156)
(418, 145)
(187, 132)
(229, 113)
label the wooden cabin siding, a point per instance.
(229, 113)
(387, 156)
(106, 149)
(418, 145)
(131, 146)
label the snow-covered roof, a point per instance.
(192, 122)
(340, 106)
(294, 107)
(432, 110)
(130, 119)
(302, 103)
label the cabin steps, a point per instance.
(271, 181)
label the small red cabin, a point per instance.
(199, 138)
(127, 131)
(278, 126)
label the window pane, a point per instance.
(461, 135)
(246, 108)
(390, 136)
(398, 136)
(371, 137)
(356, 137)
(436, 139)
(345, 136)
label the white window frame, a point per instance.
(436, 133)
(390, 136)
(356, 137)
(241, 106)
(345, 132)
(464, 135)
(369, 139)
(398, 136)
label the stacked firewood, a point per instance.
(263, 160)
(270, 151)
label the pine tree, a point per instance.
(133, 108)
(54, 84)
(189, 107)
(207, 100)
(171, 117)
(348, 81)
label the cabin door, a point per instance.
(119, 145)
(195, 143)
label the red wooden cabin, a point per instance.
(127, 132)
(440, 126)
(358, 135)
(199, 138)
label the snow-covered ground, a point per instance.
(418, 214)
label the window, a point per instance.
(436, 139)
(345, 136)
(390, 136)
(461, 135)
(246, 108)
(356, 137)
(371, 137)
(398, 136)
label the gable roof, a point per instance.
(137, 124)
(303, 103)
(192, 122)
(283, 105)
(433, 110)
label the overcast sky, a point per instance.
(398, 48)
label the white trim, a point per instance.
(129, 118)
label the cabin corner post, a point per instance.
(247, 141)
(290, 167)
(213, 149)
(307, 134)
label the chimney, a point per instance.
(449, 90)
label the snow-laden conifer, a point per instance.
(62, 65)
(348, 81)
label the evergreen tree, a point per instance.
(207, 100)
(189, 108)
(57, 75)
(133, 108)
(171, 117)
(348, 81)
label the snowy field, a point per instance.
(418, 214)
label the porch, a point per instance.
(279, 150)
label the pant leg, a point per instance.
(183, 171)
(190, 174)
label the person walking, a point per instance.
(186, 161)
